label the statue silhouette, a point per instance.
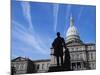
(58, 45)
(67, 60)
(13, 70)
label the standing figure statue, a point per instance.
(58, 45)
(13, 70)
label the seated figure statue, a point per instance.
(67, 60)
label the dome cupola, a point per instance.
(72, 33)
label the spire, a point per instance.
(71, 20)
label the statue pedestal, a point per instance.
(64, 67)
(58, 69)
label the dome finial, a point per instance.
(71, 20)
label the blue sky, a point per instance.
(34, 26)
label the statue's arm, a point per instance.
(64, 43)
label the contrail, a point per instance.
(55, 14)
(68, 12)
(27, 13)
(80, 12)
(29, 36)
(23, 36)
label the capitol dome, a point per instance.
(72, 33)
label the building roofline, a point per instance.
(26, 59)
(41, 60)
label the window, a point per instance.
(81, 56)
(82, 48)
(73, 66)
(93, 47)
(72, 49)
(77, 49)
(38, 66)
(21, 66)
(78, 56)
(47, 64)
(42, 66)
(94, 66)
(90, 47)
(91, 55)
(17, 66)
(78, 65)
(72, 56)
